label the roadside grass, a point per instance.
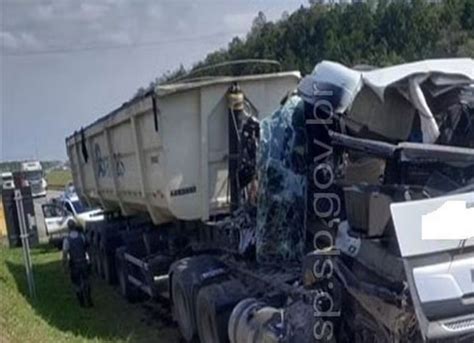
(55, 315)
(57, 179)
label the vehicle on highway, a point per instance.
(7, 180)
(299, 226)
(32, 173)
(58, 212)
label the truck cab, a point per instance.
(32, 172)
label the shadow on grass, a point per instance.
(110, 319)
(44, 248)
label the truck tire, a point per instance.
(183, 309)
(100, 262)
(95, 261)
(108, 266)
(98, 265)
(95, 251)
(128, 291)
(110, 240)
(214, 305)
(187, 277)
(159, 264)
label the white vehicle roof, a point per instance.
(70, 197)
(441, 71)
(31, 166)
(406, 78)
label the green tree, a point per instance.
(379, 33)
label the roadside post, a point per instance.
(25, 243)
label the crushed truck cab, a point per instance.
(270, 208)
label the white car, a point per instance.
(61, 211)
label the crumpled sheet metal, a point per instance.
(240, 230)
(443, 72)
(408, 79)
(370, 117)
(457, 123)
(332, 81)
(281, 167)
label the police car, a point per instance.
(60, 211)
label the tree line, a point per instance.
(375, 32)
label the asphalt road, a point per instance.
(39, 213)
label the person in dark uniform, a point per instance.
(75, 255)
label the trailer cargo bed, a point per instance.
(166, 153)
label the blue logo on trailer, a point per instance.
(119, 165)
(103, 163)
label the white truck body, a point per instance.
(7, 180)
(33, 173)
(167, 153)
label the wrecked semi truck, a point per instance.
(298, 226)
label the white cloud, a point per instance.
(119, 37)
(68, 24)
(93, 11)
(20, 40)
(8, 40)
(238, 21)
(29, 41)
(156, 11)
(45, 12)
(64, 25)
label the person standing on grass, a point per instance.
(75, 255)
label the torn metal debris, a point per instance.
(402, 134)
(336, 159)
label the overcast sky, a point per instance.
(65, 63)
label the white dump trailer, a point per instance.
(167, 153)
